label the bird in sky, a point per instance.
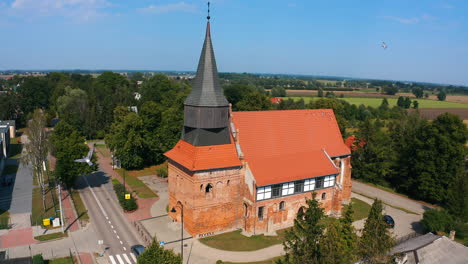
(384, 45)
(88, 157)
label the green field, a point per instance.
(375, 102)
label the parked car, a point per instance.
(389, 221)
(137, 250)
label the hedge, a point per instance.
(127, 204)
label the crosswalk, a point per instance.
(123, 259)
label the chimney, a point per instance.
(452, 235)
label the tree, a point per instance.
(72, 107)
(67, 146)
(278, 92)
(435, 220)
(457, 197)
(407, 102)
(254, 102)
(415, 104)
(126, 139)
(401, 102)
(390, 90)
(320, 92)
(155, 87)
(441, 95)
(384, 106)
(332, 246)
(155, 253)
(348, 235)
(37, 148)
(418, 92)
(137, 76)
(301, 241)
(376, 241)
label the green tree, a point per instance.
(348, 235)
(376, 241)
(441, 95)
(384, 106)
(67, 146)
(407, 102)
(137, 76)
(320, 92)
(278, 92)
(418, 92)
(254, 102)
(72, 107)
(415, 104)
(401, 102)
(126, 139)
(332, 246)
(155, 253)
(457, 197)
(435, 220)
(155, 87)
(390, 90)
(301, 241)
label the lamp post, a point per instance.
(182, 230)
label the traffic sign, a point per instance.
(127, 196)
(162, 243)
(100, 242)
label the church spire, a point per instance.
(206, 109)
(206, 89)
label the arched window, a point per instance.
(324, 196)
(228, 181)
(208, 188)
(282, 205)
(201, 187)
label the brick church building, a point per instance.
(251, 170)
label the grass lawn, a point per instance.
(79, 206)
(38, 213)
(375, 102)
(234, 241)
(15, 148)
(66, 260)
(269, 261)
(51, 236)
(102, 148)
(137, 185)
(4, 219)
(146, 171)
(361, 209)
(10, 169)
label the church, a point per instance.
(251, 170)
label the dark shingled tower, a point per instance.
(206, 110)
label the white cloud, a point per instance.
(403, 20)
(167, 8)
(81, 10)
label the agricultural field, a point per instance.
(374, 94)
(375, 102)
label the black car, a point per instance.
(389, 221)
(137, 250)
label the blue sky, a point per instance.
(427, 39)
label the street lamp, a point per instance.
(182, 230)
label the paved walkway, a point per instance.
(69, 215)
(390, 198)
(17, 237)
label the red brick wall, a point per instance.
(206, 212)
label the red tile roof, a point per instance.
(288, 145)
(276, 100)
(204, 158)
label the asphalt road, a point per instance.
(112, 227)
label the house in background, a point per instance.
(12, 126)
(431, 249)
(252, 170)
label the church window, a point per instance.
(282, 205)
(319, 183)
(263, 193)
(298, 186)
(208, 188)
(324, 196)
(260, 212)
(309, 185)
(201, 188)
(288, 188)
(329, 181)
(228, 181)
(276, 190)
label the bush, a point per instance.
(162, 172)
(437, 220)
(38, 259)
(127, 204)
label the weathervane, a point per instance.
(208, 17)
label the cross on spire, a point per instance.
(208, 17)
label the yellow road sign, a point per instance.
(127, 196)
